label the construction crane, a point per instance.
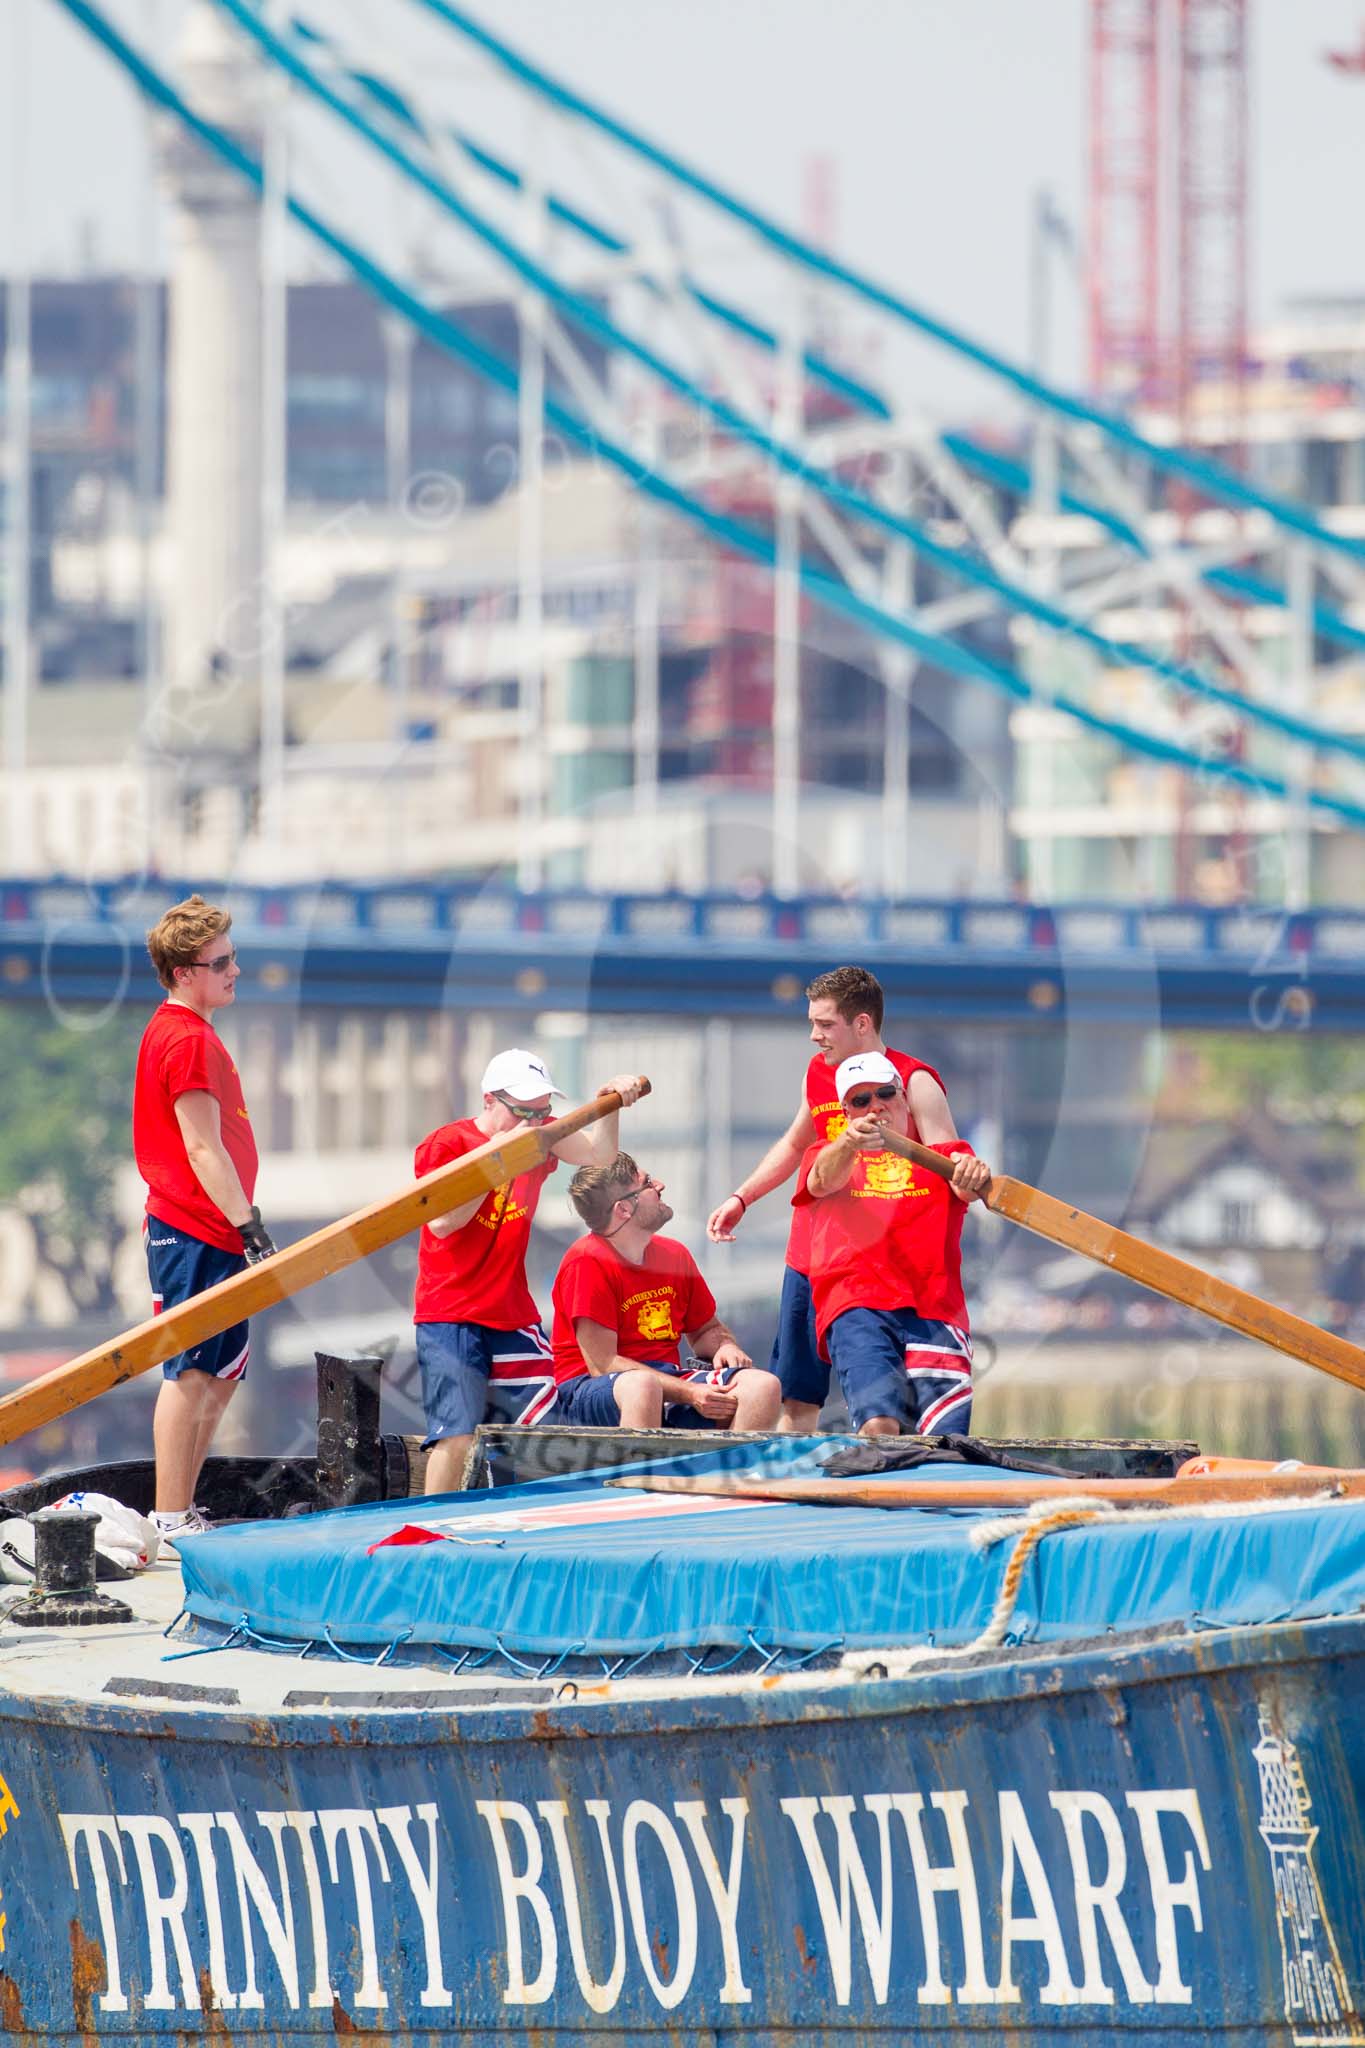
(1169, 126)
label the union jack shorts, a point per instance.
(894, 1362)
(472, 1374)
(178, 1267)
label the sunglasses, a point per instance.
(220, 965)
(528, 1116)
(865, 1096)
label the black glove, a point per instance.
(257, 1242)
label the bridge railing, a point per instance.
(415, 915)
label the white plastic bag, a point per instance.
(125, 1541)
(124, 1536)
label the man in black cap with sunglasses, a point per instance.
(480, 1347)
(886, 1261)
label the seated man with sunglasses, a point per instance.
(886, 1262)
(624, 1297)
(481, 1349)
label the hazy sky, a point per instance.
(941, 116)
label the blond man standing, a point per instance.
(194, 1146)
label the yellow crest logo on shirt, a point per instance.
(836, 1127)
(655, 1321)
(886, 1174)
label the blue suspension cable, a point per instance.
(1014, 476)
(1018, 477)
(1327, 622)
(1209, 476)
(732, 533)
(588, 316)
(983, 461)
(817, 365)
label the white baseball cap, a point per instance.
(520, 1074)
(864, 1068)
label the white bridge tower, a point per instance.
(213, 641)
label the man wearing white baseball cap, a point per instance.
(886, 1261)
(845, 1012)
(480, 1346)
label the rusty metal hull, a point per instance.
(1161, 1842)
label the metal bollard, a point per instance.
(63, 1593)
(351, 1465)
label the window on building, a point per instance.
(1239, 1219)
(454, 404)
(313, 395)
(56, 330)
(333, 473)
(60, 398)
(1323, 466)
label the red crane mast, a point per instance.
(1211, 198)
(1168, 150)
(1123, 243)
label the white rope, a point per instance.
(1045, 1518)
(984, 1534)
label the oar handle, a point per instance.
(921, 1155)
(602, 1104)
(1152, 1267)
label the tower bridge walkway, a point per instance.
(405, 945)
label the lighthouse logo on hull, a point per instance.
(1317, 1999)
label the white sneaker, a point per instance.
(194, 1522)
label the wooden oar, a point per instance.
(295, 1267)
(1011, 1493)
(1151, 1267)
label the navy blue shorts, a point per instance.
(892, 1362)
(179, 1266)
(796, 1354)
(589, 1402)
(471, 1374)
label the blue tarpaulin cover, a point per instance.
(566, 1565)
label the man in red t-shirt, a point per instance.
(845, 1009)
(886, 1262)
(194, 1147)
(480, 1346)
(623, 1298)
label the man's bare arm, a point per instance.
(201, 1127)
(715, 1344)
(456, 1219)
(831, 1167)
(778, 1163)
(934, 1122)
(600, 1143)
(929, 1108)
(600, 1355)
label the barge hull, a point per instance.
(1162, 1841)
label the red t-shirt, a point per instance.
(829, 1120)
(890, 1238)
(650, 1306)
(180, 1052)
(478, 1273)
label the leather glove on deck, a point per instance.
(257, 1242)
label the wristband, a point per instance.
(743, 1205)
